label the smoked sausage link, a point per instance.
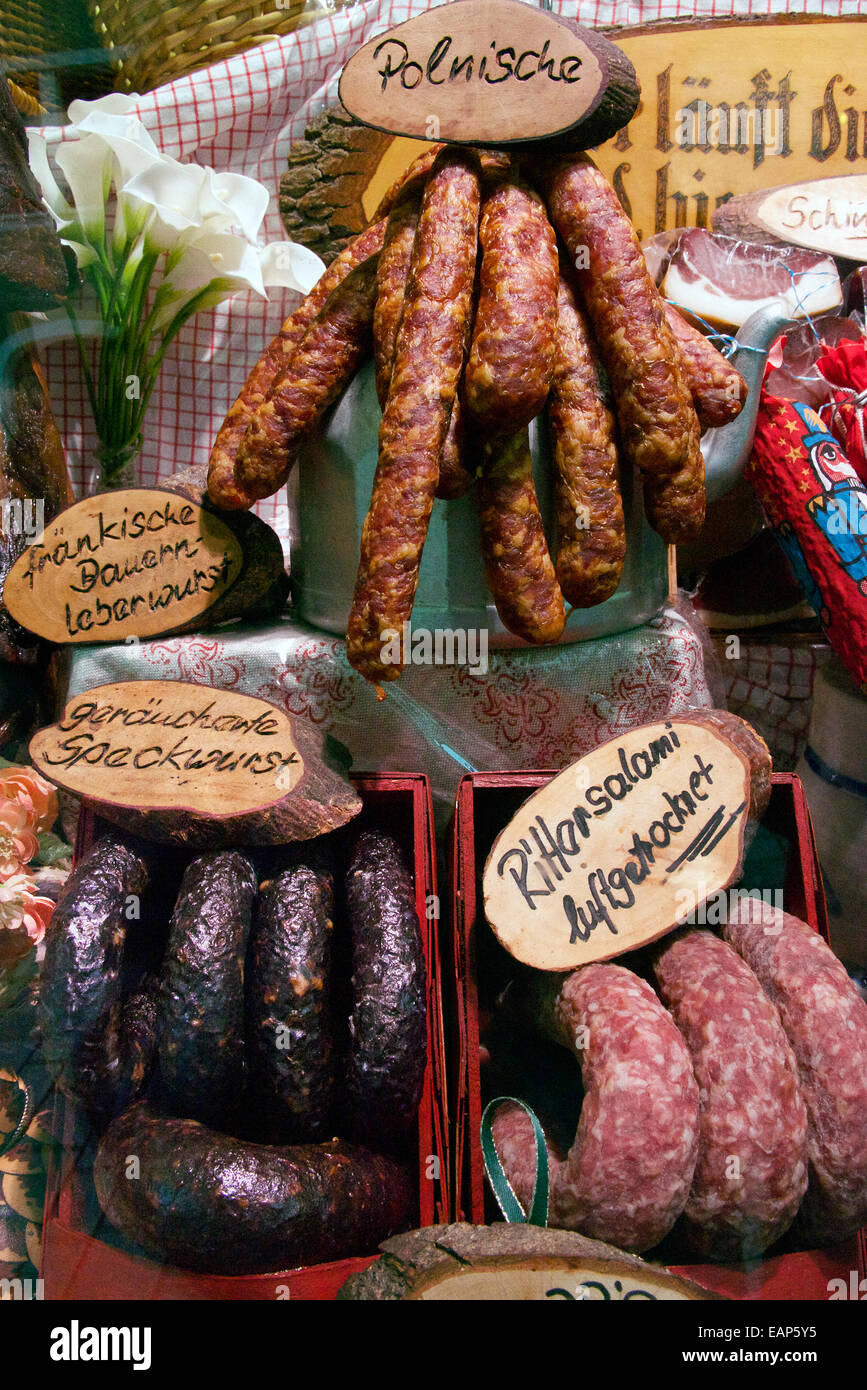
(518, 565)
(511, 361)
(752, 1156)
(825, 1020)
(591, 530)
(718, 389)
(429, 358)
(207, 1201)
(328, 356)
(223, 488)
(658, 426)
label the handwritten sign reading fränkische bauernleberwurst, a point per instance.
(137, 562)
(618, 848)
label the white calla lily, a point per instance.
(115, 103)
(288, 264)
(236, 200)
(62, 211)
(87, 167)
(178, 238)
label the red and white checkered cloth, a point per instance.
(243, 115)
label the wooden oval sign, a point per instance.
(516, 1263)
(617, 849)
(491, 72)
(133, 563)
(192, 765)
(823, 214)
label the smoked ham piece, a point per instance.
(722, 281)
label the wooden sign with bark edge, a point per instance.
(138, 562)
(827, 215)
(618, 848)
(516, 1263)
(192, 765)
(491, 72)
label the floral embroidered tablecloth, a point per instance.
(540, 708)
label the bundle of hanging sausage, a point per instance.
(227, 1052)
(487, 301)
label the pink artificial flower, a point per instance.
(33, 793)
(17, 838)
(24, 917)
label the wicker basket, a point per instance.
(151, 42)
(50, 50)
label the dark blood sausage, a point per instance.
(825, 1020)
(591, 530)
(718, 389)
(328, 356)
(658, 426)
(752, 1154)
(138, 1041)
(391, 277)
(80, 1002)
(223, 488)
(511, 361)
(387, 1025)
(518, 565)
(627, 1176)
(204, 1200)
(290, 1044)
(428, 362)
(200, 1015)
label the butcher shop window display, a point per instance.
(156, 241)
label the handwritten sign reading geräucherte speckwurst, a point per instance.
(193, 765)
(137, 562)
(619, 847)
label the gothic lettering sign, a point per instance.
(734, 107)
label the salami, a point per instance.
(751, 1172)
(223, 488)
(207, 1201)
(290, 1043)
(428, 361)
(718, 390)
(387, 1025)
(511, 361)
(200, 1008)
(518, 566)
(825, 1020)
(80, 991)
(627, 1176)
(329, 354)
(658, 426)
(590, 526)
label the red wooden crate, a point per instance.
(485, 802)
(79, 1265)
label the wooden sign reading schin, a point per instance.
(192, 765)
(137, 562)
(618, 848)
(492, 72)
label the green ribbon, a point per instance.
(10, 1140)
(500, 1185)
